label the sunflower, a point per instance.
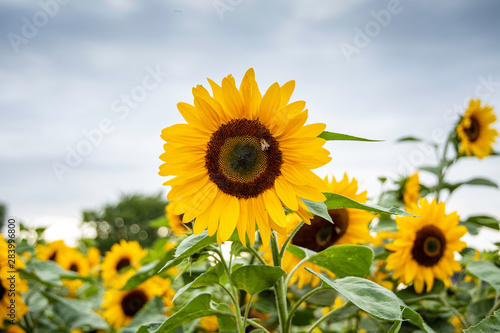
(15, 329)
(241, 157)
(124, 254)
(425, 246)
(51, 251)
(350, 227)
(94, 260)
(120, 306)
(10, 289)
(411, 191)
(74, 260)
(209, 324)
(474, 131)
(174, 220)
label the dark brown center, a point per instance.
(73, 268)
(321, 234)
(2, 291)
(133, 302)
(473, 130)
(429, 246)
(124, 262)
(243, 159)
(53, 256)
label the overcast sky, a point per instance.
(114, 71)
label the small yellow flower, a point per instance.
(209, 324)
(425, 246)
(475, 132)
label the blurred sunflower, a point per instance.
(124, 254)
(175, 221)
(15, 329)
(8, 292)
(74, 260)
(350, 227)
(209, 324)
(94, 260)
(411, 191)
(241, 157)
(51, 251)
(120, 306)
(425, 246)
(474, 131)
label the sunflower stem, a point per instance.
(442, 171)
(495, 305)
(257, 255)
(257, 325)
(288, 239)
(279, 287)
(247, 311)
(328, 315)
(297, 305)
(455, 312)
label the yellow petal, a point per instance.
(286, 193)
(274, 208)
(270, 103)
(200, 201)
(229, 218)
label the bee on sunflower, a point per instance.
(425, 245)
(122, 255)
(474, 130)
(241, 158)
(120, 306)
(74, 260)
(8, 295)
(350, 227)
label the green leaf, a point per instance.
(256, 278)
(337, 201)
(198, 307)
(414, 317)
(343, 260)
(159, 222)
(189, 246)
(331, 136)
(226, 323)
(484, 221)
(475, 181)
(147, 271)
(408, 138)
(76, 313)
(49, 273)
(395, 327)
(205, 279)
(151, 313)
(318, 208)
(488, 324)
(486, 271)
(409, 295)
(366, 295)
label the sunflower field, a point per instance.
(251, 239)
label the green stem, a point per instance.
(442, 171)
(254, 324)
(247, 311)
(495, 305)
(328, 315)
(257, 255)
(297, 305)
(455, 312)
(288, 239)
(233, 292)
(279, 287)
(289, 275)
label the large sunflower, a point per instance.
(122, 255)
(474, 131)
(411, 191)
(350, 227)
(10, 289)
(241, 157)
(74, 260)
(120, 306)
(425, 246)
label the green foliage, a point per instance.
(489, 324)
(337, 201)
(486, 271)
(331, 136)
(128, 219)
(254, 279)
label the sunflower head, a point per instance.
(120, 306)
(241, 158)
(350, 227)
(411, 191)
(73, 260)
(424, 246)
(474, 130)
(51, 251)
(123, 256)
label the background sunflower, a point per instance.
(425, 245)
(241, 157)
(475, 132)
(122, 255)
(73, 260)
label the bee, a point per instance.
(264, 145)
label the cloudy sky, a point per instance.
(87, 86)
